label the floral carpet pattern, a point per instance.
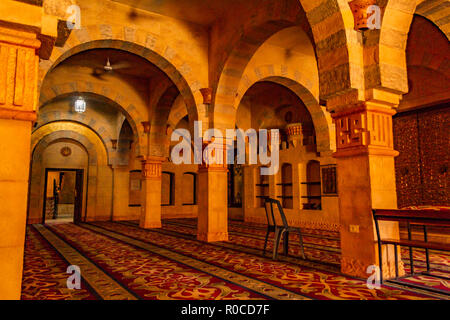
(122, 261)
(44, 274)
(324, 247)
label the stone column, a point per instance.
(248, 196)
(120, 192)
(20, 45)
(213, 200)
(366, 180)
(151, 192)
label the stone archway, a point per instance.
(335, 53)
(102, 93)
(393, 37)
(168, 60)
(322, 121)
(99, 173)
(158, 134)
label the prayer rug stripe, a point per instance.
(45, 273)
(106, 287)
(303, 280)
(261, 287)
(149, 275)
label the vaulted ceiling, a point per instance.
(203, 12)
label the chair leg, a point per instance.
(286, 243)
(427, 254)
(301, 245)
(411, 260)
(276, 244)
(396, 260)
(265, 242)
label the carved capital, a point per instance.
(23, 38)
(365, 128)
(18, 74)
(359, 10)
(152, 168)
(146, 126)
(207, 95)
(294, 132)
(36, 21)
(114, 144)
(294, 129)
(216, 159)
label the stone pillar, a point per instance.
(366, 180)
(248, 196)
(120, 193)
(20, 45)
(151, 192)
(213, 200)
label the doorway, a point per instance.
(63, 195)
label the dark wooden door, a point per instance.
(78, 196)
(421, 169)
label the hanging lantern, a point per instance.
(80, 105)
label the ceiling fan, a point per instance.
(109, 68)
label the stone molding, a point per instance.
(357, 268)
(212, 236)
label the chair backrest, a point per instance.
(269, 204)
(427, 217)
(424, 217)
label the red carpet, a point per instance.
(122, 261)
(44, 274)
(324, 247)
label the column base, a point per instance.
(34, 220)
(212, 236)
(357, 268)
(150, 225)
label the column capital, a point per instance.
(146, 126)
(364, 128)
(22, 39)
(35, 21)
(347, 100)
(207, 95)
(359, 10)
(153, 159)
(152, 167)
(218, 149)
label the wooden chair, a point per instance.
(279, 230)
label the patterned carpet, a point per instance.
(122, 261)
(324, 247)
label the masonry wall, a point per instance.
(327, 218)
(179, 209)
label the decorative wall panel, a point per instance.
(423, 139)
